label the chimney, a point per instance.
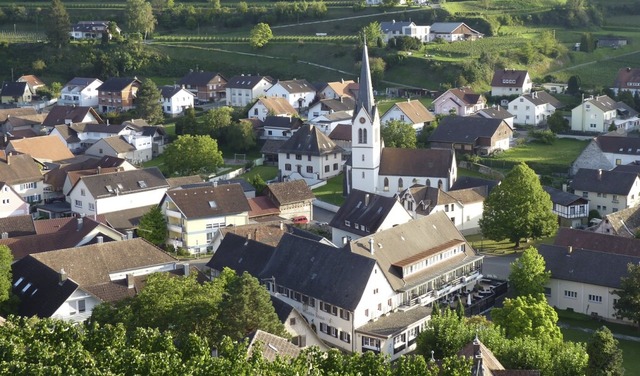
(215, 183)
(281, 226)
(599, 174)
(5, 235)
(186, 269)
(99, 170)
(373, 251)
(129, 234)
(79, 226)
(569, 250)
(62, 276)
(107, 122)
(366, 199)
(564, 187)
(100, 239)
(130, 281)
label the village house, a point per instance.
(33, 81)
(80, 91)
(452, 32)
(16, 226)
(598, 114)
(607, 151)
(341, 135)
(17, 123)
(91, 30)
(194, 215)
(299, 93)
(271, 106)
(625, 223)
(339, 89)
(310, 153)
(175, 99)
(496, 112)
(291, 198)
(462, 101)
(133, 148)
(16, 93)
(302, 335)
(607, 191)
(471, 135)
(43, 149)
(206, 86)
(533, 108)
(11, 203)
(572, 210)
(279, 127)
(244, 89)
(329, 106)
(118, 94)
(328, 123)
(67, 115)
(395, 29)
(411, 112)
(509, 82)
(627, 79)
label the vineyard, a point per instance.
(21, 37)
(278, 38)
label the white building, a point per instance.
(395, 29)
(462, 101)
(245, 89)
(533, 108)
(175, 100)
(508, 82)
(11, 204)
(310, 153)
(299, 93)
(598, 114)
(80, 92)
(411, 112)
(607, 191)
(271, 106)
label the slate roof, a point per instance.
(130, 181)
(625, 222)
(271, 146)
(464, 129)
(271, 346)
(20, 225)
(98, 128)
(563, 198)
(241, 254)
(495, 113)
(268, 233)
(415, 111)
(388, 27)
(395, 323)
(68, 134)
(49, 148)
(466, 95)
(627, 76)
(603, 102)
(283, 310)
(338, 116)
(367, 210)
(297, 86)
(284, 122)
(209, 201)
(76, 114)
(413, 241)
(324, 272)
(278, 105)
(427, 198)
(579, 265)
(246, 81)
(81, 82)
(597, 242)
(246, 186)
(14, 89)
(309, 140)
(57, 176)
(416, 162)
(508, 78)
(168, 91)
(5, 113)
(289, 192)
(117, 84)
(342, 132)
(542, 97)
(199, 78)
(618, 144)
(446, 27)
(118, 144)
(127, 219)
(612, 182)
(18, 169)
(337, 105)
(464, 182)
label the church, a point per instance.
(387, 171)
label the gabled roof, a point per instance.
(388, 27)
(289, 192)
(367, 210)
(179, 181)
(169, 91)
(246, 81)
(209, 201)
(342, 132)
(268, 233)
(618, 144)
(283, 310)
(612, 182)
(415, 111)
(271, 146)
(597, 242)
(19, 225)
(80, 82)
(241, 254)
(324, 272)
(99, 128)
(465, 129)
(542, 97)
(117, 84)
(564, 198)
(271, 346)
(118, 144)
(18, 169)
(296, 86)
(416, 162)
(127, 219)
(509, 78)
(627, 78)
(411, 242)
(344, 88)
(283, 122)
(107, 185)
(427, 198)
(277, 105)
(5, 113)
(495, 113)
(337, 105)
(199, 78)
(56, 176)
(44, 148)
(579, 265)
(309, 140)
(448, 27)
(603, 102)
(14, 89)
(625, 222)
(262, 206)
(67, 133)
(32, 80)
(466, 95)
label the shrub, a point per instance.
(546, 136)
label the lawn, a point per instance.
(266, 173)
(503, 247)
(332, 191)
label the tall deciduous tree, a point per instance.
(371, 33)
(57, 25)
(153, 227)
(528, 275)
(518, 208)
(6, 258)
(605, 357)
(189, 155)
(240, 136)
(139, 17)
(148, 105)
(557, 123)
(217, 120)
(260, 35)
(398, 134)
(628, 305)
(186, 123)
(530, 316)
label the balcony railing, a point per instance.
(173, 213)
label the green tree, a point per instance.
(557, 123)
(518, 208)
(389, 3)
(6, 259)
(57, 24)
(371, 33)
(626, 97)
(260, 35)
(378, 66)
(148, 102)
(189, 155)
(398, 134)
(573, 85)
(528, 275)
(445, 335)
(153, 227)
(628, 305)
(528, 315)
(38, 65)
(258, 183)
(605, 357)
(217, 120)
(240, 136)
(186, 123)
(139, 17)
(456, 366)
(587, 42)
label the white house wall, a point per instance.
(408, 181)
(69, 310)
(11, 204)
(317, 164)
(577, 297)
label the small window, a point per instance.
(310, 169)
(82, 305)
(292, 321)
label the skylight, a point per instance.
(212, 204)
(109, 188)
(142, 184)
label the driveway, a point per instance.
(498, 267)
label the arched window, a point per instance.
(415, 181)
(359, 135)
(428, 183)
(440, 184)
(386, 184)
(400, 184)
(364, 136)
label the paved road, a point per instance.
(498, 266)
(322, 215)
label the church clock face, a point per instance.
(362, 120)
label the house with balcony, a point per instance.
(572, 210)
(80, 91)
(206, 86)
(175, 99)
(598, 114)
(533, 108)
(607, 191)
(364, 214)
(460, 101)
(194, 215)
(627, 79)
(411, 112)
(299, 93)
(114, 191)
(310, 153)
(67, 284)
(271, 106)
(118, 94)
(21, 174)
(244, 89)
(397, 29)
(509, 82)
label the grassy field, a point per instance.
(332, 191)
(265, 172)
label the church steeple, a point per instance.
(365, 91)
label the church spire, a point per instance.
(365, 91)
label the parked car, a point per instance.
(300, 220)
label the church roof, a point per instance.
(365, 94)
(416, 162)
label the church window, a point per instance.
(400, 185)
(440, 184)
(359, 135)
(428, 184)
(386, 184)
(364, 136)
(363, 157)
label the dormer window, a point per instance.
(347, 223)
